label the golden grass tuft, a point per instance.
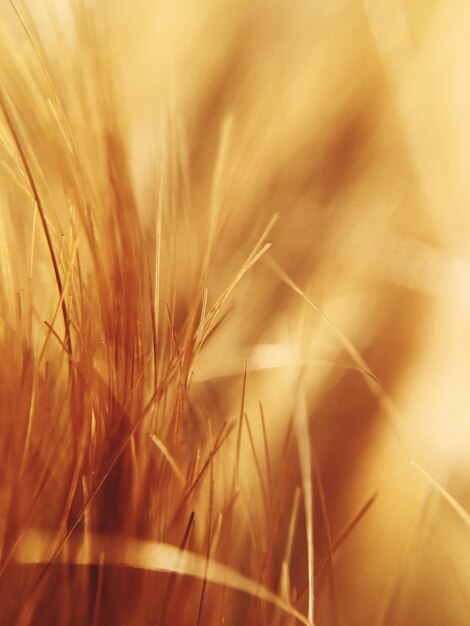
(234, 269)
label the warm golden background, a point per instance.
(279, 414)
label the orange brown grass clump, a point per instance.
(234, 313)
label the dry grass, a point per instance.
(234, 313)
